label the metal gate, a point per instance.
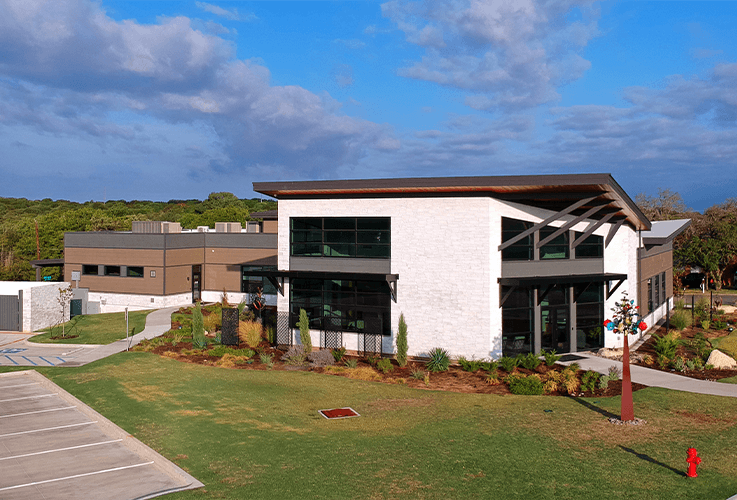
(9, 313)
(284, 335)
(331, 335)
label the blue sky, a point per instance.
(172, 100)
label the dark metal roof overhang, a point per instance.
(277, 278)
(613, 282)
(601, 196)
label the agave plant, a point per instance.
(439, 360)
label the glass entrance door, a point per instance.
(554, 325)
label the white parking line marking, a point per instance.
(71, 352)
(62, 449)
(73, 477)
(21, 385)
(37, 411)
(46, 429)
(29, 397)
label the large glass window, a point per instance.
(589, 316)
(517, 321)
(522, 249)
(557, 248)
(363, 237)
(590, 248)
(251, 284)
(347, 305)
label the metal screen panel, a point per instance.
(284, 335)
(331, 335)
(229, 330)
(9, 313)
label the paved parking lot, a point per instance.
(54, 446)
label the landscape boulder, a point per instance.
(720, 360)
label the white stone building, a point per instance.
(480, 266)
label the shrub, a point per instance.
(525, 386)
(589, 381)
(604, 382)
(372, 360)
(250, 332)
(529, 361)
(702, 306)
(492, 378)
(271, 335)
(246, 314)
(177, 338)
(230, 361)
(678, 304)
(267, 359)
(647, 359)
(663, 362)
(615, 373)
(489, 366)
(304, 330)
(679, 364)
(417, 374)
(295, 356)
(212, 323)
(705, 324)
(570, 381)
(321, 358)
(700, 346)
(572, 368)
(198, 326)
(402, 341)
(385, 365)
(680, 319)
(199, 342)
(469, 366)
(708, 367)
(508, 363)
(550, 357)
(439, 360)
(338, 354)
(222, 350)
(719, 325)
(351, 363)
(667, 345)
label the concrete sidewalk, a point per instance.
(16, 350)
(654, 378)
(157, 323)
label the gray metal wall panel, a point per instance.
(530, 269)
(338, 265)
(9, 313)
(117, 240)
(649, 251)
(241, 240)
(185, 240)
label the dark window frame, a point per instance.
(342, 237)
(522, 250)
(250, 284)
(87, 267)
(353, 302)
(513, 313)
(130, 269)
(110, 271)
(590, 248)
(562, 241)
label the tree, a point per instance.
(711, 241)
(64, 299)
(667, 205)
(402, 342)
(304, 331)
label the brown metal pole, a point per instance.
(628, 410)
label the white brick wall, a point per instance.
(445, 251)
(41, 307)
(117, 302)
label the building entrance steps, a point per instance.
(655, 378)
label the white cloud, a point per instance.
(510, 55)
(93, 77)
(230, 14)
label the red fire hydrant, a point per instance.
(693, 460)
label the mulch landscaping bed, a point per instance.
(648, 347)
(453, 380)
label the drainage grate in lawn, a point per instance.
(570, 357)
(339, 413)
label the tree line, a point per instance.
(710, 242)
(19, 218)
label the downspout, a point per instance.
(639, 274)
(164, 288)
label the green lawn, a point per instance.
(257, 434)
(96, 328)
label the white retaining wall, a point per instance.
(117, 302)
